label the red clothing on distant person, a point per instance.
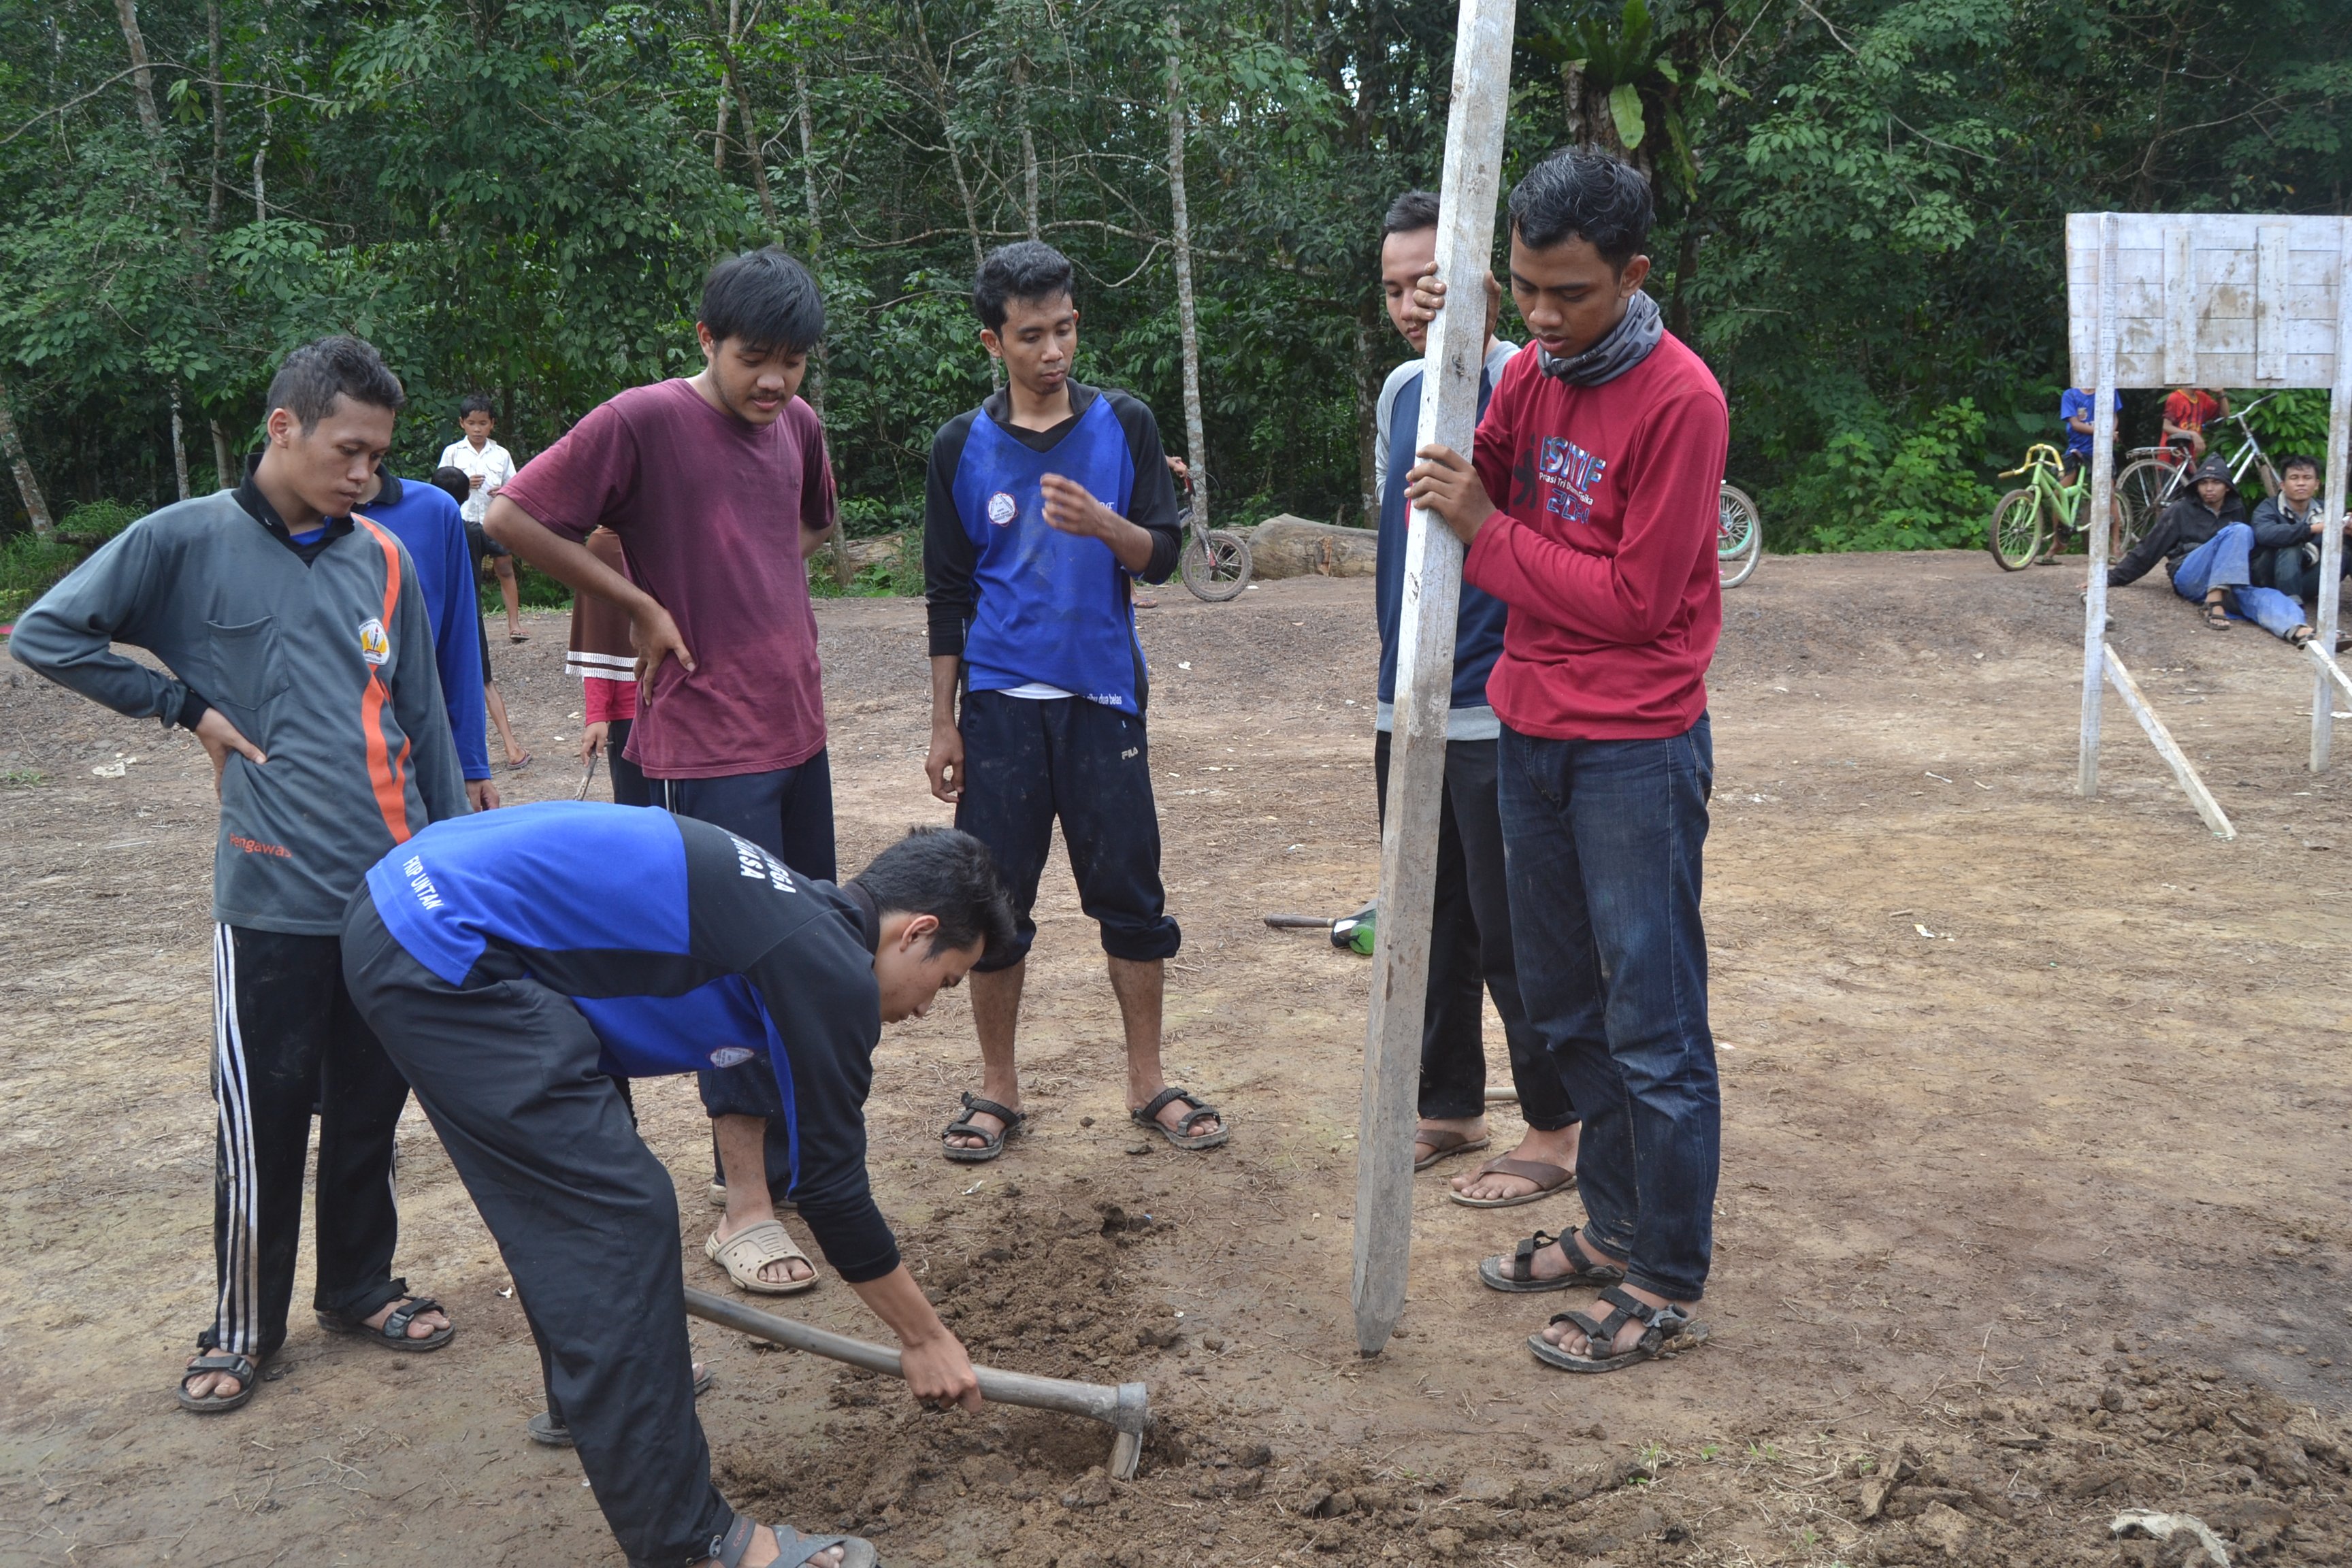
(600, 652)
(2191, 408)
(1605, 546)
(710, 511)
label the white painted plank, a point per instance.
(2103, 490)
(2169, 749)
(2180, 307)
(2333, 506)
(1425, 681)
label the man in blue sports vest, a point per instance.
(1044, 505)
(517, 964)
(1470, 927)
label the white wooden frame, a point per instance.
(2207, 300)
(1424, 680)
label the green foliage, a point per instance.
(2290, 423)
(30, 567)
(92, 523)
(1876, 486)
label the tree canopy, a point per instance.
(1860, 206)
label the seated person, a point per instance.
(2205, 543)
(2078, 406)
(2288, 531)
(2187, 412)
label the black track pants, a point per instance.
(286, 1037)
(584, 1215)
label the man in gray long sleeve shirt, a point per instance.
(302, 656)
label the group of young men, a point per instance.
(380, 929)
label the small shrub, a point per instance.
(2292, 421)
(1875, 487)
(92, 523)
(30, 567)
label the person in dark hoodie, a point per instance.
(2205, 543)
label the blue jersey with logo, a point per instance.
(1478, 619)
(1051, 607)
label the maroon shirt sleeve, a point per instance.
(590, 476)
(1632, 595)
(817, 496)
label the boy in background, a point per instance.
(300, 654)
(488, 467)
(599, 654)
(453, 483)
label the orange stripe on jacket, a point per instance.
(387, 772)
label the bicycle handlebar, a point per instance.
(2034, 459)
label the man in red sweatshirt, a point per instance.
(1589, 508)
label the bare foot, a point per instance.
(1545, 1148)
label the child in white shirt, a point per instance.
(487, 467)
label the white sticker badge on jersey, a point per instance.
(730, 1056)
(374, 647)
(1003, 509)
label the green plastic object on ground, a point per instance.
(1355, 933)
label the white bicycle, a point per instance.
(1740, 536)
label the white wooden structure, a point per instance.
(1424, 679)
(2216, 299)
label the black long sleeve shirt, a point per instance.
(2184, 525)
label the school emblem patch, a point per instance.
(730, 1055)
(374, 647)
(1003, 509)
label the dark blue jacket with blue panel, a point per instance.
(685, 948)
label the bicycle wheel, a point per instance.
(1216, 565)
(2016, 535)
(1740, 536)
(2139, 496)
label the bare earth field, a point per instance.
(2023, 1221)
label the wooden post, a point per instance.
(2095, 527)
(2333, 501)
(1196, 445)
(1433, 586)
(2167, 748)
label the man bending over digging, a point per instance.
(1044, 505)
(301, 653)
(513, 962)
(1591, 511)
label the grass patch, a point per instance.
(30, 567)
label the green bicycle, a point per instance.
(2031, 524)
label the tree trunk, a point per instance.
(179, 444)
(1195, 442)
(224, 461)
(808, 157)
(1369, 376)
(142, 81)
(719, 131)
(36, 505)
(1028, 150)
(220, 114)
(260, 157)
(752, 152)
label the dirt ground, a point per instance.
(2025, 1221)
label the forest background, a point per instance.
(1861, 205)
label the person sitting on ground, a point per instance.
(2288, 531)
(2187, 411)
(451, 481)
(2206, 544)
(513, 962)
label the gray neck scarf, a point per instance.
(1628, 344)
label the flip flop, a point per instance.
(1548, 1179)
(1666, 1333)
(1444, 1143)
(548, 1432)
(1519, 1274)
(749, 1250)
(393, 1335)
(993, 1144)
(244, 1368)
(517, 767)
(1181, 1134)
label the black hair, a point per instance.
(1025, 270)
(477, 403)
(950, 876)
(455, 483)
(314, 375)
(2297, 460)
(1577, 192)
(766, 300)
(1410, 214)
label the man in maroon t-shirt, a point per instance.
(718, 487)
(1591, 511)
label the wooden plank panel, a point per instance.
(2332, 505)
(2225, 370)
(2103, 489)
(2180, 307)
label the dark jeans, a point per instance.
(285, 1036)
(2295, 576)
(1604, 841)
(585, 1218)
(1026, 762)
(630, 785)
(1470, 941)
(788, 813)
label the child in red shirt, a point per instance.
(1591, 511)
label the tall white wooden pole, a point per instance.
(2333, 502)
(1425, 683)
(2096, 527)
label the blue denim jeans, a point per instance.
(1603, 846)
(2223, 561)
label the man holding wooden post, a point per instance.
(1588, 508)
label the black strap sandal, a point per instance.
(794, 1549)
(1181, 1134)
(1585, 1268)
(1666, 1333)
(244, 1368)
(994, 1142)
(2217, 617)
(393, 1333)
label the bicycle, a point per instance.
(2156, 477)
(1738, 536)
(1215, 562)
(2031, 523)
